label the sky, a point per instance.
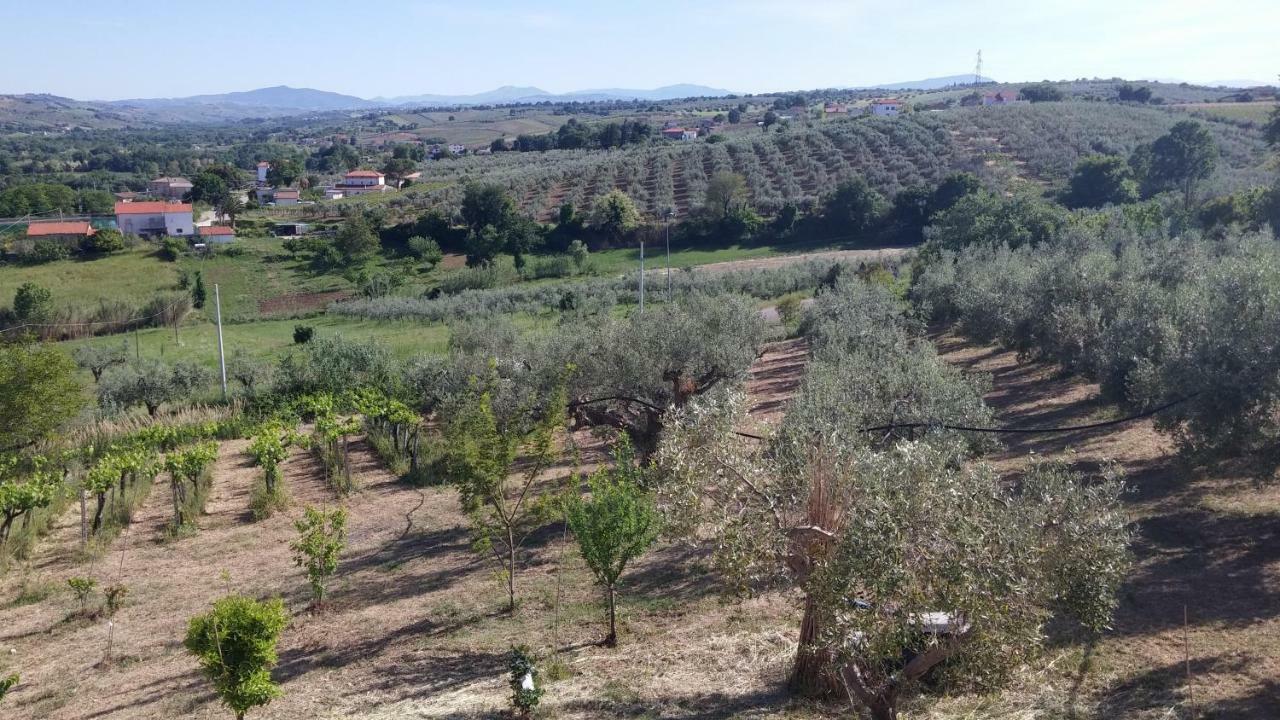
(95, 50)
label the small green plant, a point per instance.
(526, 690)
(321, 537)
(115, 595)
(616, 525)
(189, 467)
(82, 587)
(236, 646)
(268, 450)
(7, 684)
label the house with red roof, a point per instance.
(890, 107)
(155, 218)
(679, 133)
(286, 196)
(75, 230)
(64, 232)
(1003, 97)
(361, 182)
(169, 188)
(216, 233)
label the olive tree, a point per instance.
(908, 557)
(97, 358)
(152, 383)
(632, 371)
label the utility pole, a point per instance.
(642, 274)
(222, 358)
(669, 212)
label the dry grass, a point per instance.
(415, 629)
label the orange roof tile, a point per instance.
(37, 229)
(150, 208)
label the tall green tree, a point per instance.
(1182, 158)
(39, 393)
(614, 215)
(725, 191)
(504, 501)
(854, 207)
(235, 644)
(1101, 180)
(32, 303)
(356, 241)
(614, 526)
(198, 292)
(284, 171)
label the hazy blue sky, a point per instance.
(93, 49)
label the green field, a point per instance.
(1258, 112)
(135, 274)
(197, 341)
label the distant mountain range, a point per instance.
(281, 96)
(284, 98)
(934, 83)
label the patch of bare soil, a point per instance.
(1207, 549)
(300, 302)
(414, 626)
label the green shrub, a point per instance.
(43, 251)
(302, 334)
(173, 248)
(321, 537)
(525, 682)
(235, 644)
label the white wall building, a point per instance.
(263, 168)
(361, 182)
(886, 108)
(155, 218)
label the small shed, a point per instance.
(291, 229)
(216, 234)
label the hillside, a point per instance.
(1039, 143)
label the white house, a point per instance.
(154, 218)
(216, 234)
(886, 108)
(361, 182)
(333, 193)
(286, 196)
(263, 168)
(169, 188)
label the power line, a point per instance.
(126, 321)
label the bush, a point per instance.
(104, 240)
(302, 334)
(321, 536)
(173, 248)
(43, 251)
(235, 644)
(526, 688)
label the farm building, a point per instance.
(216, 234)
(286, 196)
(832, 108)
(361, 182)
(71, 232)
(886, 108)
(154, 218)
(169, 188)
(679, 133)
(1004, 97)
(291, 229)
